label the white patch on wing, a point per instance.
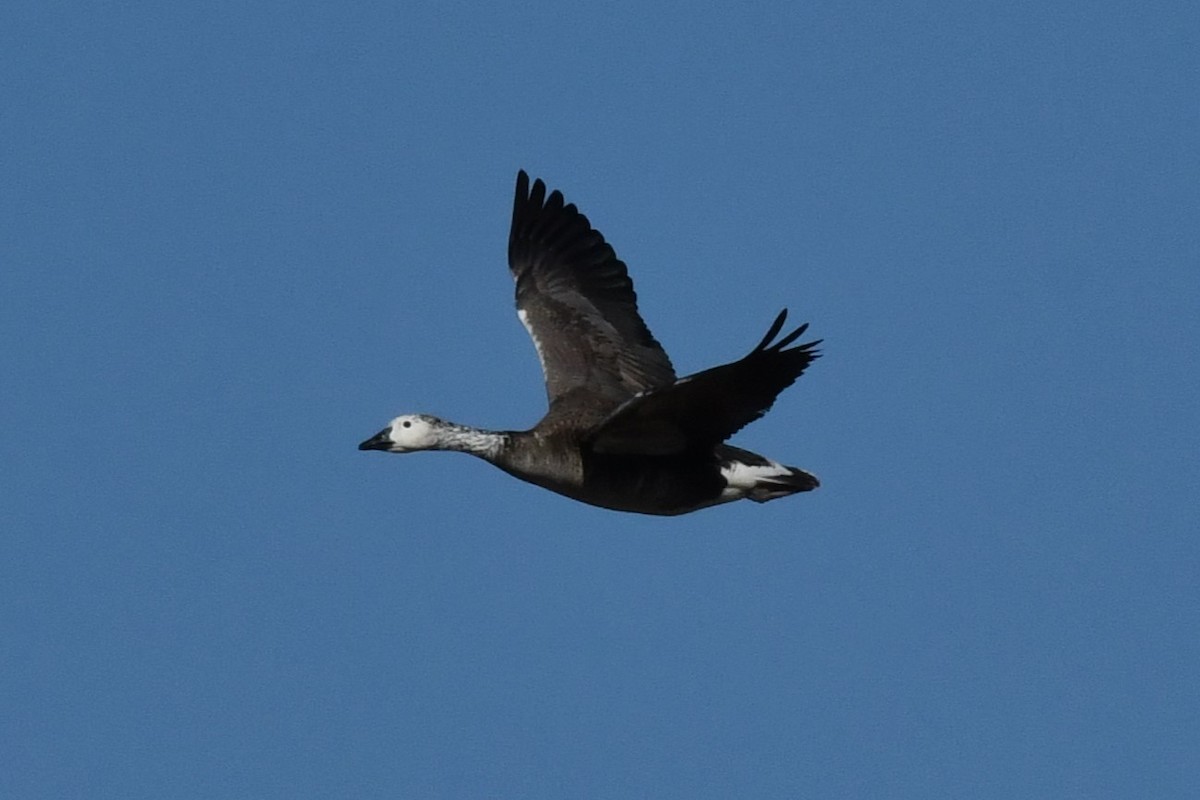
(537, 344)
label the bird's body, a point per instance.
(622, 432)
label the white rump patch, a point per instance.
(754, 481)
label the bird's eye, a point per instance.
(407, 423)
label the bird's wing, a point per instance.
(698, 412)
(575, 298)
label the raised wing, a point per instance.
(575, 298)
(702, 410)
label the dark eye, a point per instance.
(407, 423)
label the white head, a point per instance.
(406, 434)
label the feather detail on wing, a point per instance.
(575, 298)
(702, 410)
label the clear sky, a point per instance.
(238, 237)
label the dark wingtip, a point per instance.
(776, 326)
(522, 193)
(791, 337)
(523, 197)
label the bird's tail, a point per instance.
(781, 485)
(760, 479)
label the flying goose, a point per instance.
(622, 432)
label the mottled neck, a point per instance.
(485, 444)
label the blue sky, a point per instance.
(237, 238)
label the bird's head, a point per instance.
(406, 434)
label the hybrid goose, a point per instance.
(622, 432)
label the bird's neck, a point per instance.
(477, 442)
